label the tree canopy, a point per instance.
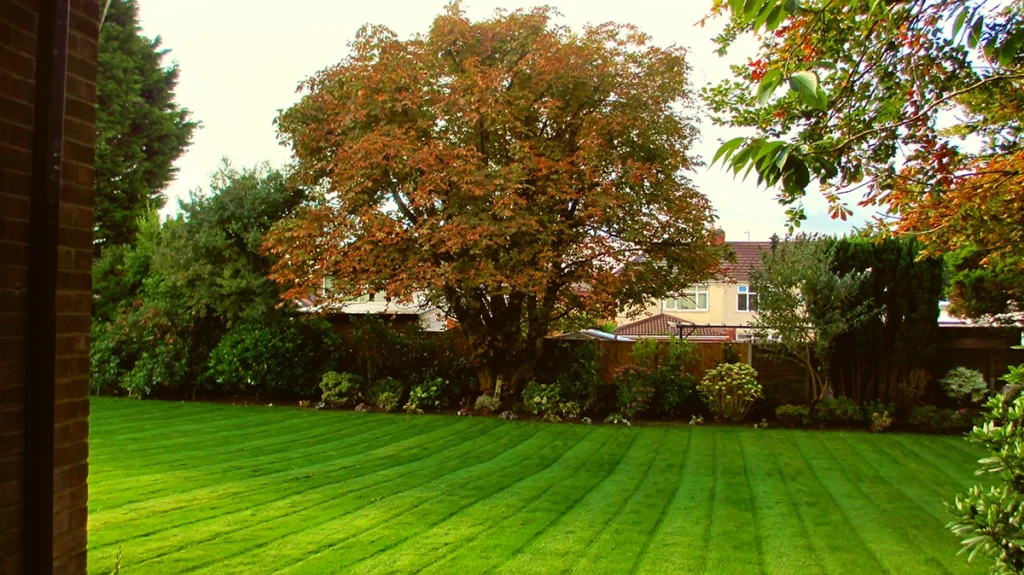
(140, 130)
(913, 107)
(804, 304)
(512, 170)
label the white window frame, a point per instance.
(693, 294)
(744, 291)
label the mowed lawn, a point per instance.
(215, 489)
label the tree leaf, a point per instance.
(769, 83)
(727, 149)
(792, 6)
(804, 83)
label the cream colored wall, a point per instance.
(721, 309)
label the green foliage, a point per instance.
(873, 88)
(804, 305)
(487, 404)
(988, 519)
(837, 411)
(211, 253)
(385, 385)
(880, 421)
(140, 130)
(903, 285)
(1015, 375)
(963, 384)
(573, 368)
(387, 401)
(635, 390)
(429, 394)
(665, 366)
(793, 416)
(730, 390)
(540, 399)
(932, 419)
(340, 389)
(164, 303)
(281, 359)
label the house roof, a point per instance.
(748, 258)
(664, 325)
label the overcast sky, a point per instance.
(241, 61)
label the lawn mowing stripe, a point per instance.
(380, 448)
(270, 448)
(895, 468)
(617, 455)
(557, 547)
(230, 448)
(642, 553)
(680, 544)
(895, 548)
(620, 543)
(166, 523)
(733, 528)
(839, 546)
(370, 544)
(935, 543)
(752, 502)
(963, 476)
(370, 486)
(152, 414)
(185, 436)
(785, 538)
(583, 565)
(175, 488)
(470, 527)
(315, 543)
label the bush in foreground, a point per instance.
(730, 390)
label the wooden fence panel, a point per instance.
(615, 354)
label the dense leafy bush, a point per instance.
(880, 421)
(837, 411)
(281, 359)
(667, 363)
(388, 385)
(387, 401)
(932, 419)
(569, 409)
(988, 517)
(428, 394)
(635, 390)
(964, 384)
(573, 368)
(487, 404)
(540, 399)
(793, 416)
(144, 351)
(730, 390)
(340, 389)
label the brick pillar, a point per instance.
(19, 25)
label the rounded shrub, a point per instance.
(340, 389)
(280, 359)
(730, 390)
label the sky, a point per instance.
(241, 61)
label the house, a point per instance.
(725, 304)
(340, 311)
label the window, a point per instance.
(746, 300)
(693, 298)
(328, 286)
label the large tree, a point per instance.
(912, 106)
(140, 130)
(513, 170)
(804, 304)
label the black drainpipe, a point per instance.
(41, 344)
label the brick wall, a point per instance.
(18, 27)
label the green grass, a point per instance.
(216, 489)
